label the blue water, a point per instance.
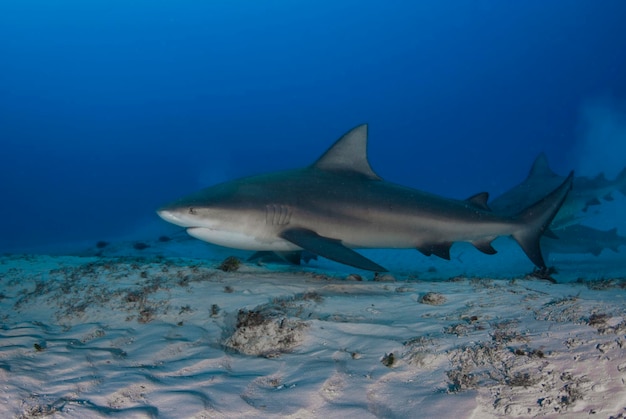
(109, 109)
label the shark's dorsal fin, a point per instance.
(541, 168)
(479, 200)
(348, 154)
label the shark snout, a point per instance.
(170, 216)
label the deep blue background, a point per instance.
(111, 108)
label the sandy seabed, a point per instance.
(170, 337)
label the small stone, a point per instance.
(378, 277)
(432, 298)
(388, 360)
(230, 264)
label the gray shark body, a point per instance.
(581, 239)
(339, 204)
(585, 194)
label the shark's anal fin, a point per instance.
(485, 246)
(329, 248)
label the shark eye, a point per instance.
(192, 210)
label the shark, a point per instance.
(339, 204)
(578, 238)
(587, 193)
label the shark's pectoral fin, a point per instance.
(484, 246)
(329, 248)
(438, 249)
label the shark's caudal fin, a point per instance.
(536, 219)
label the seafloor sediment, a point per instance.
(171, 337)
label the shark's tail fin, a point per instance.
(535, 220)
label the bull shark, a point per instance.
(586, 193)
(339, 204)
(581, 239)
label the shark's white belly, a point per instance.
(239, 240)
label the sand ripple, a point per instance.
(136, 338)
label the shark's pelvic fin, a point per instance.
(536, 219)
(329, 248)
(438, 249)
(348, 154)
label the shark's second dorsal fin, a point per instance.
(348, 154)
(479, 200)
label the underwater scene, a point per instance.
(243, 209)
